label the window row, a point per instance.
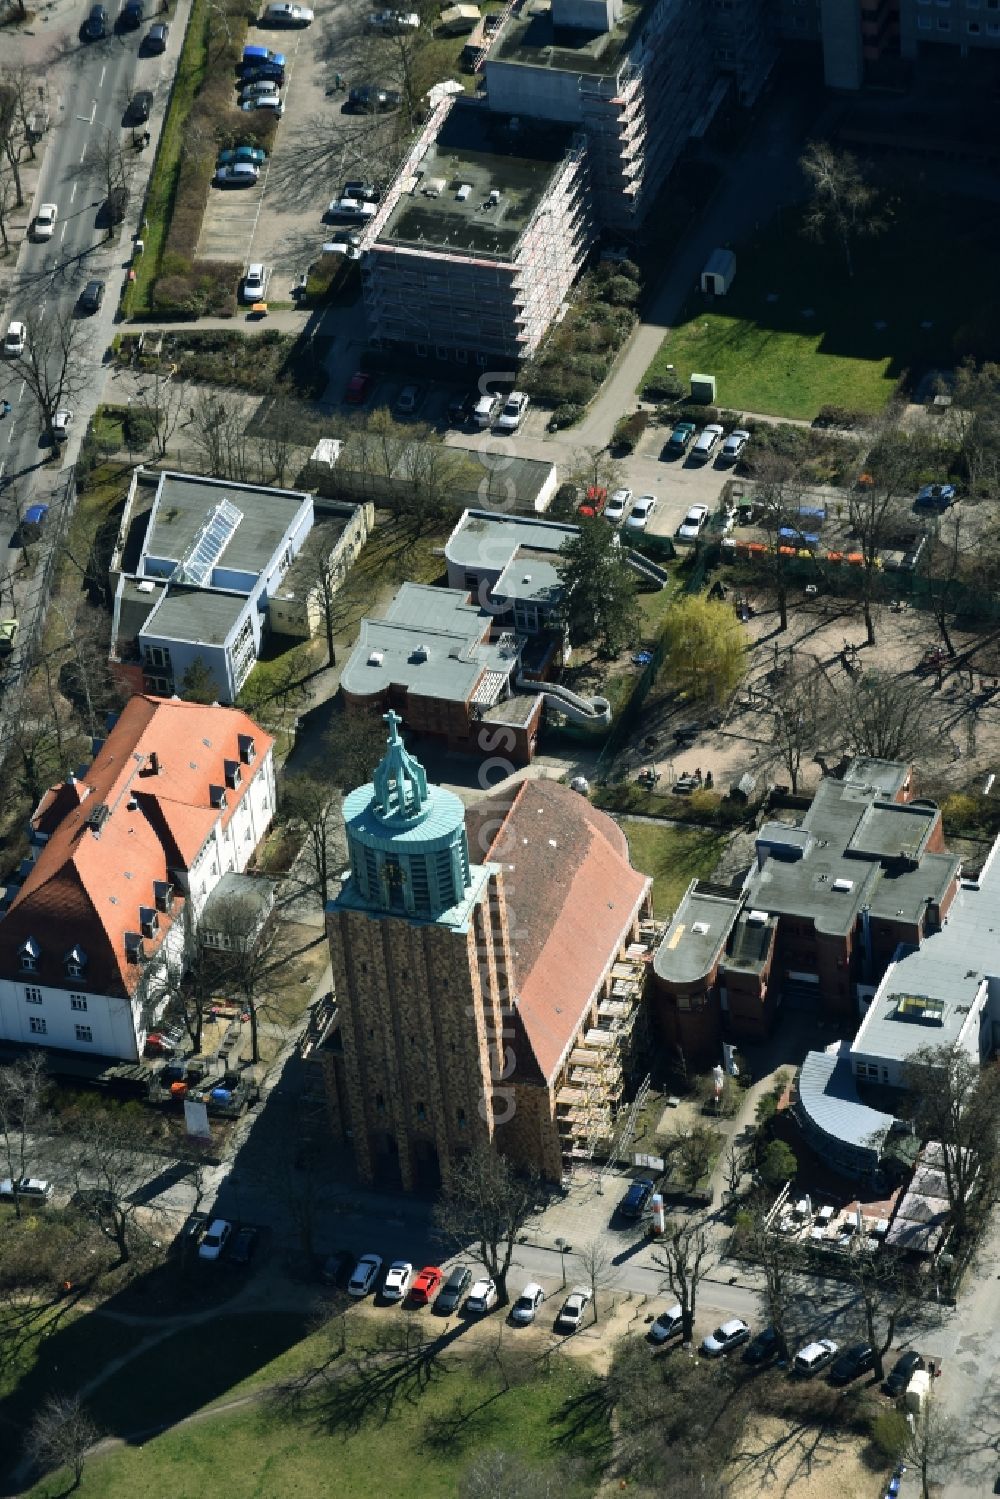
(34, 996)
(74, 961)
(38, 1027)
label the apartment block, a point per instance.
(484, 233)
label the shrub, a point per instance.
(890, 1433)
(778, 1164)
(139, 427)
(566, 414)
(628, 431)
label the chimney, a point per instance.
(153, 763)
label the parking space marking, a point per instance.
(72, 196)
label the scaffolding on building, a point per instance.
(602, 1063)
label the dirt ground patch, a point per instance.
(779, 1458)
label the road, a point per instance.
(94, 83)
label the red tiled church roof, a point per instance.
(571, 896)
(153, 773)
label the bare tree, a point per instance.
(692, 1151)
(956, 1104)
(164, 399)
(684, 1254)
(801, 713)
(843, 206)
(884, 716)
(498, 1474)
(22, 1092)
(780, 1262)
(973, 425)
(61, 1435)
(313, 809)
(932, 1446)
(486, 1202)
(885, 1292)
(875, 507)
(52, 365)
(107, 1172)
(598, 1268)
(248, 968)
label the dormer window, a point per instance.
(149, 922)
(134, 950)
(29, 954)
(248, 750)
(75, 962)
(233, 774)
(217, 797)
(163, 895)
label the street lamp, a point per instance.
(563, 1248)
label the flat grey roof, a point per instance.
(696, 936)
(532, 39)
(829, 1096)
(446, 625)
(304, 571)
(135, 604)
(852, 849)
(530, 578)
(948, 969)
(488, 542)
(200, 615)
(184, 502)
(484, 152)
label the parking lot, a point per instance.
(318, 144)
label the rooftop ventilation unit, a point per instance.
(700, 928)
(420, 653)
(756, 918)
(463, 192)
(842, 886)
(494, 197)
(375, 658)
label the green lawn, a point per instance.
(417, 1445)
(796, 333)
(673, 856)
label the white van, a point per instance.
(486, 409)
(352, 208)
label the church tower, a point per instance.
(421, 968)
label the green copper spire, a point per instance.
(400, 781)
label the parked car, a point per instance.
(8, 636)
(265, 72)
(288, 15)
(486, 411)
(215, 1240)
(595, 501)
(115, 205)
(667, 1324)
(358, 388)
(636, 1199)
(33, 1188)
(272, 102)
(335, 1268)
(708, 440)
(617, 507)
(368, 98)
(725, 1337)
(693, 523)
(902, 1372)
(571, 1312)
(366, 1273)
(514, 411)
(263, 88)
(254, 156)
(254, 287)
(92, 296)
(253, 54)
(244, 1246)
(856, 1360)
(454, 1288)
(642, 510)
(131, 17)
(159, 1046)
(461, 406)
(157, 37)
(425, 1285)
(527, 1304)
(96, 25)
(191, 1232)
(935, 497)
(351, 208)
(482, 1298)
(397, 1280)
(761, 1348)
(237, 174)
(34, 518)
(409, 400)
(45, 221)
(732, 448)
(15, 340)
(393, 22)
(345, 247)
(680, 438)
(355, 188)
(140, 107)
(815, 1356)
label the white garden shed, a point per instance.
(717, 277)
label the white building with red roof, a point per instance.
(178, 796)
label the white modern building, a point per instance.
(125, 855)
(204, 568)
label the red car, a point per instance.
(597, 498)
(357, 389)
(425, 1285)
